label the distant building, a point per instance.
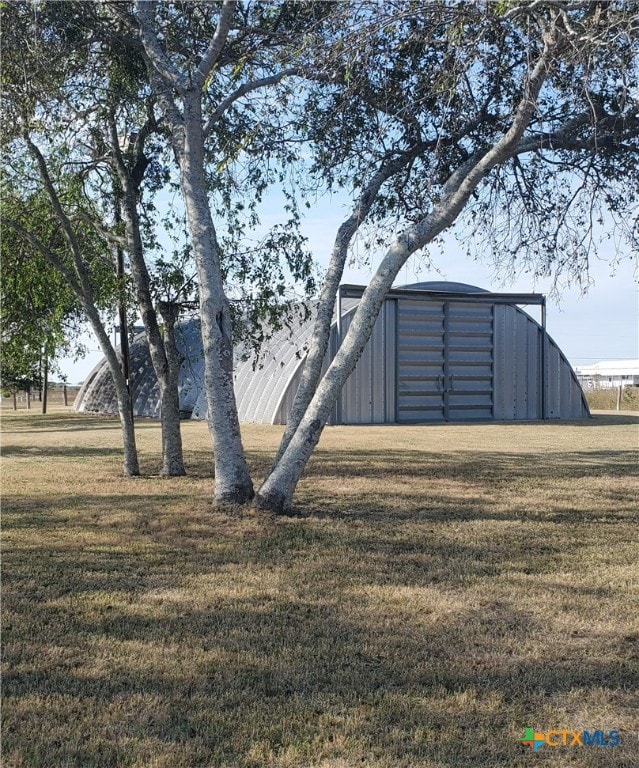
(609, 374)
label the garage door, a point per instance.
(444, 361)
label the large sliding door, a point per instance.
(444, 361)
(468, 352)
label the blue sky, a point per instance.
(602, 324)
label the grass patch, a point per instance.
(606, 399)
(444, 588)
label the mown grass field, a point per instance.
(445, 588)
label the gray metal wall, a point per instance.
(433, 357)
(531, 382)
(451, 360)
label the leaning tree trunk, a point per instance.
(312, 371)
(277, 490)
(125, 410)
(80, 282)
(232, 477)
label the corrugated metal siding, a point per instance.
(368, 397)
(420, 361)
(518, 378)
(428, 360)
(266, 395)
(468, 348)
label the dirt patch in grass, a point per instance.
(442, 589)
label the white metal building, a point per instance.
(609, 374)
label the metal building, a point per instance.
(609, 374)
(439, 352)
(97, 393)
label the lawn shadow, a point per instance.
(421, 614)
(188, 651)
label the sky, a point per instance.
(602, 324)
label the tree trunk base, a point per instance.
(240, 494)
(174, 470)
(272, 501)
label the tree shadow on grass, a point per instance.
(475, 466)
(416, 625)
(159, 654)
(58, 451)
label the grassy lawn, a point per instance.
(445, 588)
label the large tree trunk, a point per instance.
(172, 456)
(232, 477)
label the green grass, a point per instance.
(442, 589)
(606, 399)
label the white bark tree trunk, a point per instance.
(312, 371)
(277, 490)
(232, 478)
(172, 455)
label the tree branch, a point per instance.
(217, 43)
(605, 133)
(48, 254)
(153, 48)
(242, 91)
(460, 183)
(104, 233)
(61, 216)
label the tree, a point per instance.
(129, 167)
(33, 90)
(198, 89)
(101, 92)
(39, 314)
(100, 89)
(500, 105)
(423, 110)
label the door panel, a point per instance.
(444, 361)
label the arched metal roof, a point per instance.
(97, 394)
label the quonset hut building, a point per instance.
(439, 352)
